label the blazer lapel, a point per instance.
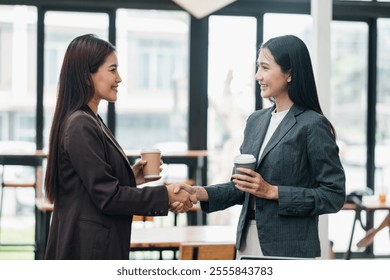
(107, 133)
(260, 130)
(111, 137)
(287, 123)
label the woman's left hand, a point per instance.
(139, 172)
(253, 183)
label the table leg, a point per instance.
(348, 253)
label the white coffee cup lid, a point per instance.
(150, 150)
(244, 158)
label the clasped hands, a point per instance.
(182, 197)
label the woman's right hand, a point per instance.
(200, 194)
(181, 197)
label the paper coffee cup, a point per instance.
(153, 161)
(244, 161)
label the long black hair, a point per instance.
(293, 57)
(83, 57)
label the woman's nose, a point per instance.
(119, 78)
(258, 75)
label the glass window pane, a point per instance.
(231, 93)
(298, 25)
(349, 97)
(18, 49)
(152, 106)
(18, 26)
(60, 29)
(348, 113)
(382, 158)
(383, 107)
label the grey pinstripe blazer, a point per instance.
(302, 159)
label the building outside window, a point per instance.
(60, 29)
(18, 73)
(152, 106)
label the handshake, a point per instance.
(181, 197)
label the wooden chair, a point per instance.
(201, 251)
(137, 218)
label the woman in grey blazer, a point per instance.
(298, 175)
(88, 176)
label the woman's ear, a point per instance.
(289, 77)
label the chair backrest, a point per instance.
(137, 218)
(202, 251)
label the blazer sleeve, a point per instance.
(222, 196)
(84, 145)
(328, 196)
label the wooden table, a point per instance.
(369, 207)
(170, 238)
(27, 159)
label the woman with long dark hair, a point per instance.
(88, 176)
(298, 174)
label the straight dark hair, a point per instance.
(293, 57)
(83, 57)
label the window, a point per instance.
(152, 106)
(231, 94)
(349, 49)
(157, 61)
(298, 25)
(383, 109)
(60, 29)
(348, 114)
(382, 160)
(24, 129)
(17, 73)
(5, 56)
(3, 126)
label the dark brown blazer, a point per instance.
(96, 194)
